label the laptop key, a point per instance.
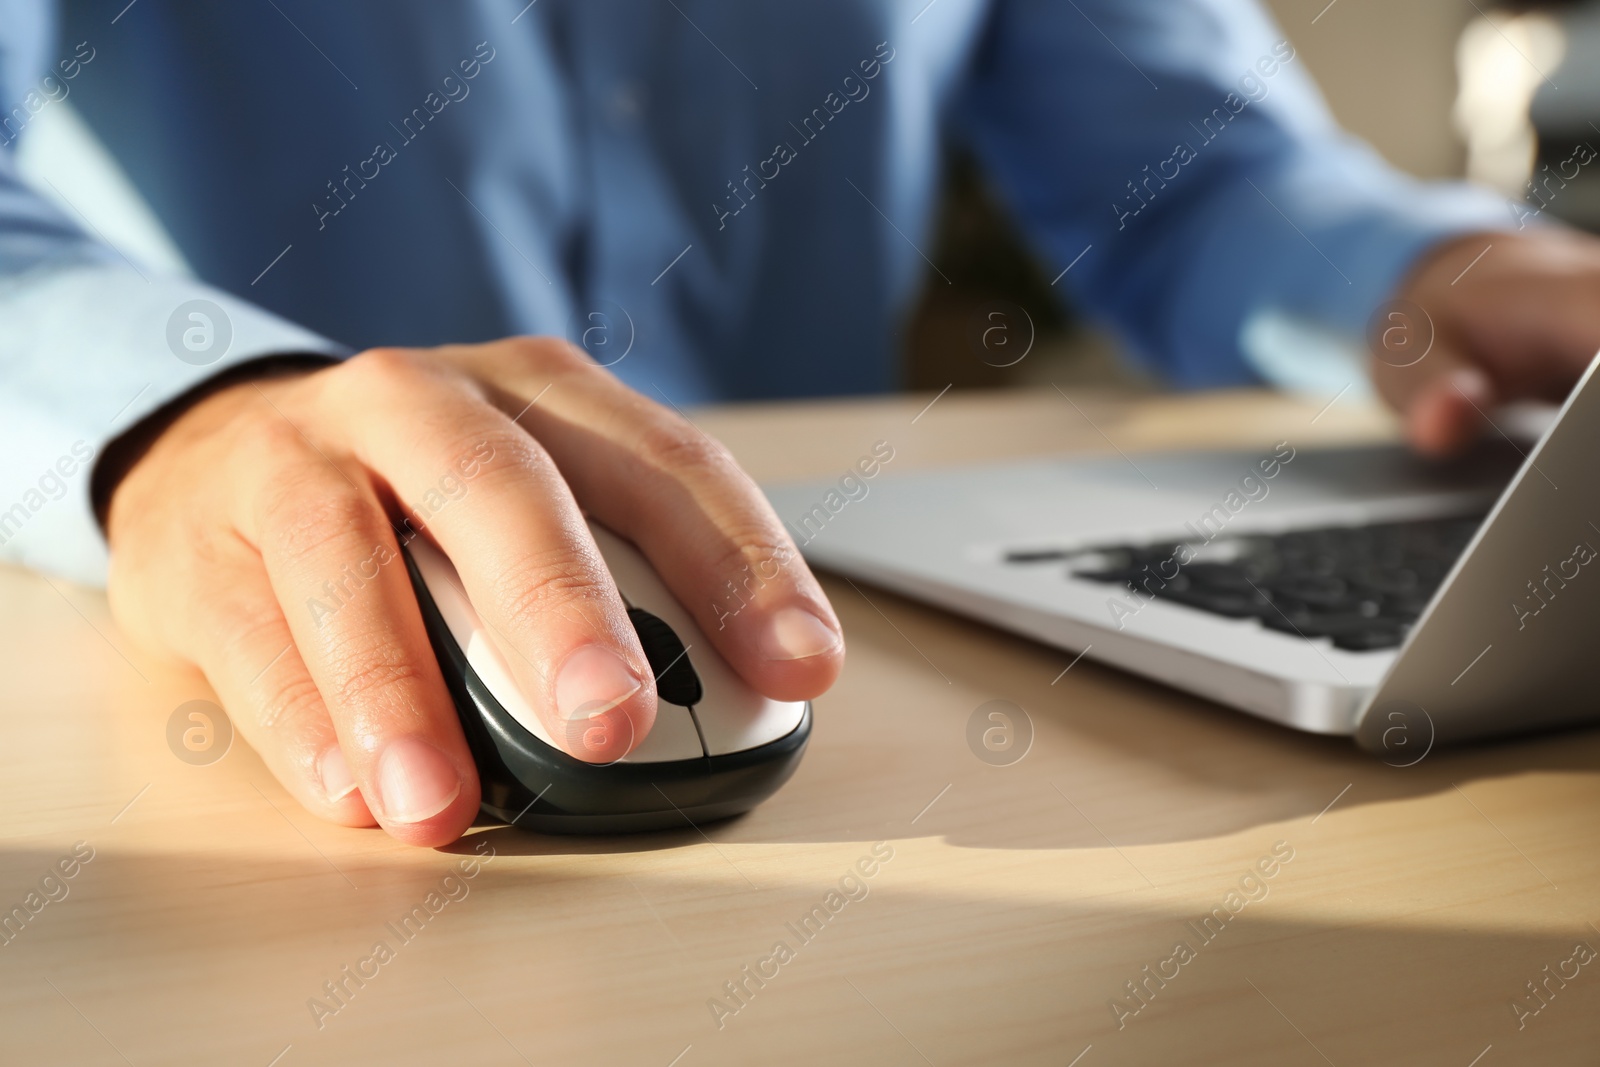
(1359, 587)
(1222, 602)
(1370, 638)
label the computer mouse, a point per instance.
(717, 749)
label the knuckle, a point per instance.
(301, 522)
(292, 702)
(387, 376)
(494, 452)
(273, 435)
(381, 364)
(250, 625)
(550, 353)
(365, 674)
(672, 445)
(538, 584)
(755, 549)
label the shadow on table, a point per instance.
(191, 957)
(1114, 757)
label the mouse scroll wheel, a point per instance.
(676, 681)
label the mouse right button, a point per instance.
(672, 738)
(743, 719)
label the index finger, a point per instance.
(520, 546)
(650, 475)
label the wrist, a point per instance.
(124, 452)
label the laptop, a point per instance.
(1357, 591)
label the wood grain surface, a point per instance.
(931, 908)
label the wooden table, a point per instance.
(1007, 909)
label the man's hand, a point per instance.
(1521, 323)
(234, 540)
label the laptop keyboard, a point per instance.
(1362, 587)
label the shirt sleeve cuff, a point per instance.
(1307, 248)
(88, 351)
(1381, 252)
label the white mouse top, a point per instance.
(730, 717)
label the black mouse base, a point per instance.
(636, 823)
(533, 786)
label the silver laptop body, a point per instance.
(1502, 645)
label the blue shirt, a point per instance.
(722, 200)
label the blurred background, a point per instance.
(1504, 93)
(1501, 93)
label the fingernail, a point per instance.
(593, 680)
(336, 777)
(415, 781)
(795, 633)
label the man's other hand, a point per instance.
(1519, 321)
